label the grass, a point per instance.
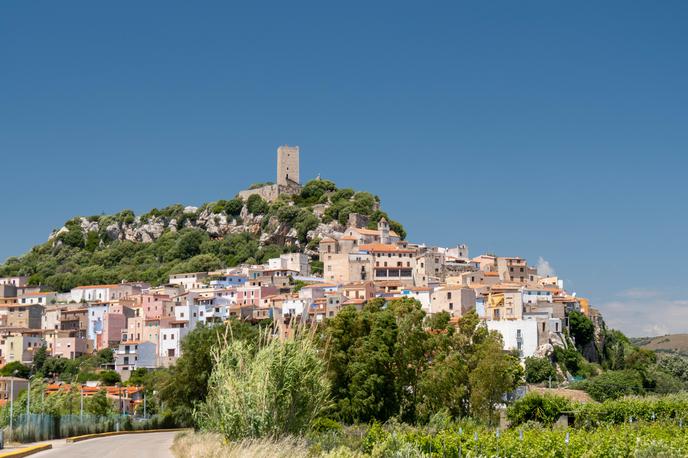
(209, 445)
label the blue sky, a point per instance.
(538, 128)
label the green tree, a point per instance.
(73, 238)
(539, 370)
(361, 353)
(39, 358)
(495, 374)
(92, 241)
(138, 377)
(189, 243)
(234, 207)
(439, 321)
(256, 205)
(410, 360)
(581, 328)
(109, 378)
(15, 369)
(99, 404)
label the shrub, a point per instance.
(543, 408)
(315, 189)
(256, 205)
(278, 391)
(109, 377)
(569, 358)
(322, 425)
(539, 370)
(613, 385)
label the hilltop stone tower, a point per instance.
(288, 165)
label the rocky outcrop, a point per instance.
(217, 225)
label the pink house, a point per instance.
(253, 295)
(154, 305)
(114, 321)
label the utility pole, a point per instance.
(28, 404)
(81, 415)
(11, 403)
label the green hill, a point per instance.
(148, 247)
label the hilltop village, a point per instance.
(343, 265)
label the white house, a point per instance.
(188, 281)
(171, 340)
(297, 262)
(98, 293)
(42, 298)
(294, 307)
(535, 295)
(521, 335)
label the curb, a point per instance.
(72, 440)
(26, 451)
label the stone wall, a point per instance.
(270, 192)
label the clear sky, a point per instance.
(554, 130)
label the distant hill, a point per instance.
(672, 343)
(105, 249)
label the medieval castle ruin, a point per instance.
(287, 176)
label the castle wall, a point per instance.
(270, 192)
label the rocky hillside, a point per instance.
(148, 247)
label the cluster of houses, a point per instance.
(146, 324)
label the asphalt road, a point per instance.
(151, 445)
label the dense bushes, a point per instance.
(80, 257)
(541, 408)
(613, 385)
(188, 250)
